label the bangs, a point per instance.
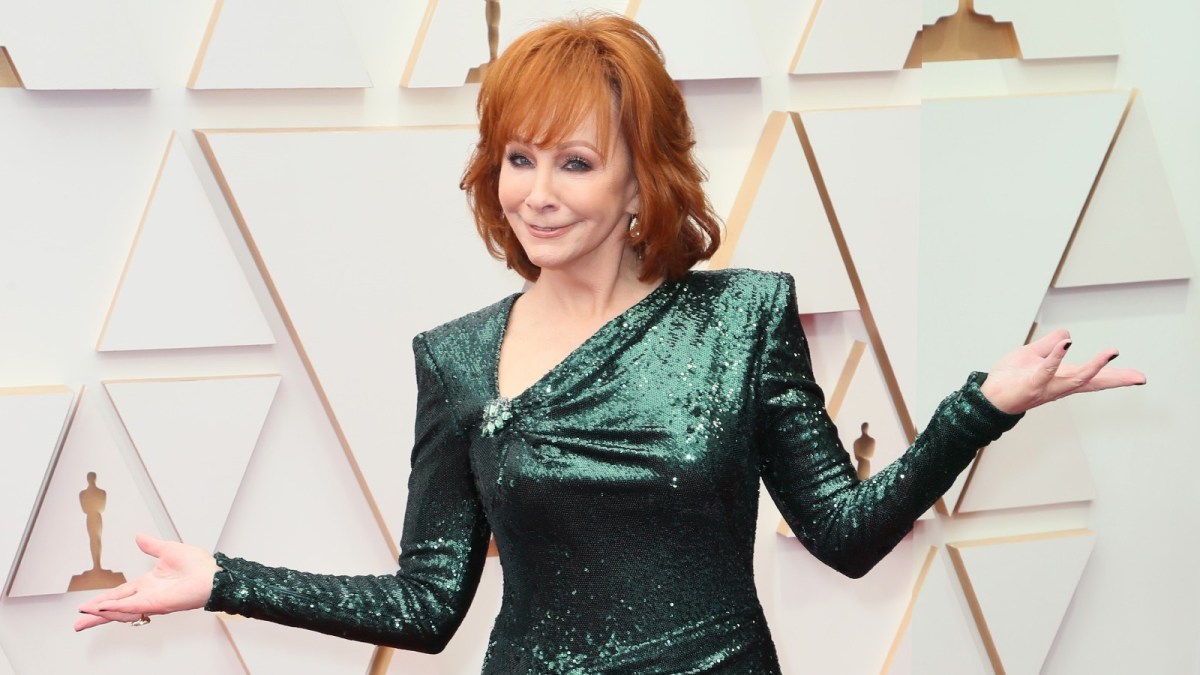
(551, 91)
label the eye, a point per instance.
(575, 163)
(517, 159)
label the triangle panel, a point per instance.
(1038, 462)
(452, 40)
(1002, 180)
(1131, 231)
(686, 38)
(91, 510)
(1061, 29)
(853, 36)
(788, 230)
(279, 44)
(76, 45)
(32, 422)
(182, 285)
(870, 162)
(867, 422)
(195, 438)
(1020, 588)
(361, 241)
(822, 611)
(940, 639)
(270, 648)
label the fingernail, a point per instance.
(1112, 357)
(1067, 346)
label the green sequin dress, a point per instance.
(622, 488)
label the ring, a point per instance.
(140, 622)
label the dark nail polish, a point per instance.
(1112, 357)
(1067, 346)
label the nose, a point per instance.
(542, 196)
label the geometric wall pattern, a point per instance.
(32, 422)
(64, 44)
(870, 163)
(1130, 230)
(804, 246)
(270, 648)
(347, 269)
(59, 547)
(940, 637)
(195, 438)
(1059, 29)
(1019, 589)
(1031, 162)
(850, 36)
(689, 38)
(1044, 452)
(819, 608)
(297, 45)
(182, 286)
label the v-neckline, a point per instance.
(506, 313)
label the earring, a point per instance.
(635, 228)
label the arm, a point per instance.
(443, 549)
(850, 524)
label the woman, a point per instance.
(611, 424)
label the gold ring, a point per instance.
(140, 622)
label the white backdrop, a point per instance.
(77, 169)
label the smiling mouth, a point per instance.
(546, 230)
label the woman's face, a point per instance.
(569, 207)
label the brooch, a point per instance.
(495, 414)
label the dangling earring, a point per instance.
(635, 228)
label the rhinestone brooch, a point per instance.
(495, 414)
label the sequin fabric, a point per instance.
(623, 488)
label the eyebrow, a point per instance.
(561, 146)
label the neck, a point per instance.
(593, 293)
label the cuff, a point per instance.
(229, 593)
(992, 421)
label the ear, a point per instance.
(633, 205)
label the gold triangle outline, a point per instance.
(137, 236)
(51, 467)
(964, 578)
(137, 451)
(906, 620)
(202, 136)
(1133, 94)
(198, 64)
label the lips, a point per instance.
(546, 231)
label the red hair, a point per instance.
(542, 88)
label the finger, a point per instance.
(1053, 360)
(1045, 345)
(135, 605)
(1086, 372)
(87, 621)
(118, 593)
(1111, 378)
(150, 545)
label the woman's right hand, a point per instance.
(182, 579)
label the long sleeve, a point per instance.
(850, 524)
(443, 549)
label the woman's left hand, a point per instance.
(1035, 374)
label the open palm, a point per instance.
(1035, 374)
(182, 579)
